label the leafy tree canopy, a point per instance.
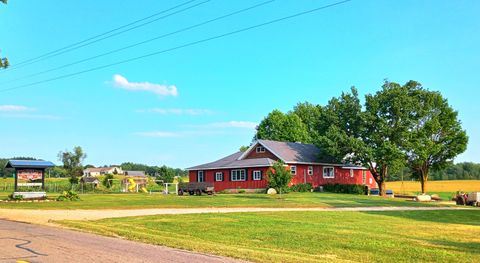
(278, 126)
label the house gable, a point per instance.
(252, 153)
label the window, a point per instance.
(200, 176)
(257, 175)
(238, 175)
(364, 177)
(351, 172)
(293, 169)
(310, 170)
(218, 176)
(328, 172)
(260, 149)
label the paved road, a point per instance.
(46, 216)
(34, 243)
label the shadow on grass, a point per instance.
(460, 217)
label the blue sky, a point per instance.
(200, 103)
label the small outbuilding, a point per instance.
(90, 181)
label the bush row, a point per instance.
(307, 187)
(345, 188)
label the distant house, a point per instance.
(92, 172)
(90, 180)
(134, 173)
(248, 170)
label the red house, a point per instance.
(247, 170)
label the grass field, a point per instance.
(414, 236)
(446, 189)
(135, 201)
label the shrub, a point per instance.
(68, 196)
(345, 188)
(279, 177)
(107, 180)
(15, 198)
(307, 187)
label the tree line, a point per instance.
(458, 171)
(398, 126)
(72, 167)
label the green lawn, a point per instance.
(413, 236)
(132, 201)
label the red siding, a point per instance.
(342, 176)
(228, 184)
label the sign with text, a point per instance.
(29, 174)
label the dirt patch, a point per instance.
(46, 217)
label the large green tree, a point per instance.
(371, 137)
(435, 138)
(311, 116)
(278, 126)
(4, 61)
(72, 162)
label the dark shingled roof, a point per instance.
(28, 164)
(232, 161)
(134, 173)
(291, 152)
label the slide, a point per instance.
(144, 190)
(131, 187)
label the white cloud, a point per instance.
(162, 90)
(176, 111)
(14, 108)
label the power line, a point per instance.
(95, 39)
(142, 42)
(179, 47)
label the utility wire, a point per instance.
(95, 39)
(179, 47)
(142, 42)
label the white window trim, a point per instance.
(257, 173)
(238, 173)
(203, 176)
(351, 173)
(310, 170)
(333, 171)
(218, 174)
(293, 169)
(260, 149)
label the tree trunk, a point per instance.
(380, 179)
(423, 180)
(382, 188)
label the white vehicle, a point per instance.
(473, 199)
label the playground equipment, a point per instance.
(135, 184)
(167, 185)
(132, 185)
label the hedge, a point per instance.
(345, 188)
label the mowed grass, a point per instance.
(413, 236)
(136, 201)
(446, 189)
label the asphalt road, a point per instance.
(35, 243)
